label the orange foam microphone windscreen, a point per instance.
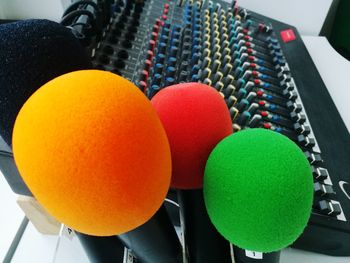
(93, 151)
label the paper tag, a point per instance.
(253, 254)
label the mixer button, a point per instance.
(327, 208)
(319, 173)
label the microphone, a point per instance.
(99, 156)
(258, 191)
(32, 52)
(195, 118)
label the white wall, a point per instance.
(25, 9)
(1, 12)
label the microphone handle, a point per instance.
(203, 242)
(155, 241)
(102, 249)
(246, 256)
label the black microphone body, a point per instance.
(102, 249)
(155, 241)
(203, 241)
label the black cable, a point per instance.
(91, 28)
(68, 18)
(85, 28)
(74, 6)
(80, 24)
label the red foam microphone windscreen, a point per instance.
(93, 151)
(195, 118)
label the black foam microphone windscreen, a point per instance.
(32, 52)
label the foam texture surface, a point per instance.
(32, 52)
(258, 190)
(93, 151)
(195, 118)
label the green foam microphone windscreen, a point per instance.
(258, 190)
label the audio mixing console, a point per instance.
(259, 65)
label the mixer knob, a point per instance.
(242, 105)
(158, 69)
(219, 86)
(195, 69)
(169, 81)
(173, 51)
(160, 58)
(170, 72)
(255, 121)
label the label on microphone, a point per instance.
(68, 232)
(128, 256)
(253, 254)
